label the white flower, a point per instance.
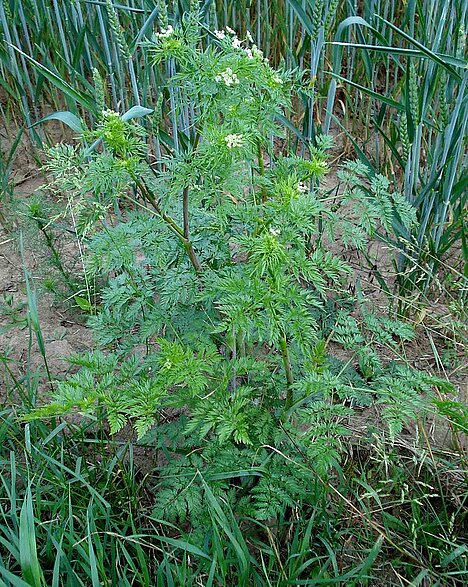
(220, 35)
(230, 31)
(249, 37)
(108, 113)
(256, 52)
(302, 188)
(233, 141)
(275, 231)
(228, 77)
(165, 33)
(236, 43)
(276, 78)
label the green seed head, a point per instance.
(405, 143)
(414, 94)
(99, 89)
(117, 30)
(163, 20)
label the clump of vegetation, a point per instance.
(223, 302)
(220, 292)
(287, 431)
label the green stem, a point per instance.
(261, 169)
(54, 252)
(185, 208)
(234, 357)
(288, 371)
(179, 232)
(192, 256)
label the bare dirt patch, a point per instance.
(63, 333)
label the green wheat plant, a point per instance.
(426, 112)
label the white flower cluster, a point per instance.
(277, 79)
(165, 33)
(302, 188)
(275, 231)
(222, 35)
(108, 113)
(255, 53)
(228, 77)
(252, 52)
(233, 141)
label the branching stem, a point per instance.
(172, 224)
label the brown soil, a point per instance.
(65, 333)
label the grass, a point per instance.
(76, 509)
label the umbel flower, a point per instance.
(233, 141)
(228, 77)
(165, 33)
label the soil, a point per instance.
(64, 331)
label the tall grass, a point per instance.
(75, 510)
(420, 128)
(393, 73)
(6, 185)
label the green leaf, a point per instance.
(234, 534)
(83, 99)
(146, 27)
(27, 543)
(183, 545)
(136, 112)
(302, 15)
(461, 550)
(13, 579)
(449, 59)
(92, 559)
(423, 49)
(375, 95)
(84, 304)
(68, 118)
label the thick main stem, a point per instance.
(261, 169)
(288, 371)
(185, 196)
(185, 208)
(192, 256)
(186, 218)
(186, 232)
